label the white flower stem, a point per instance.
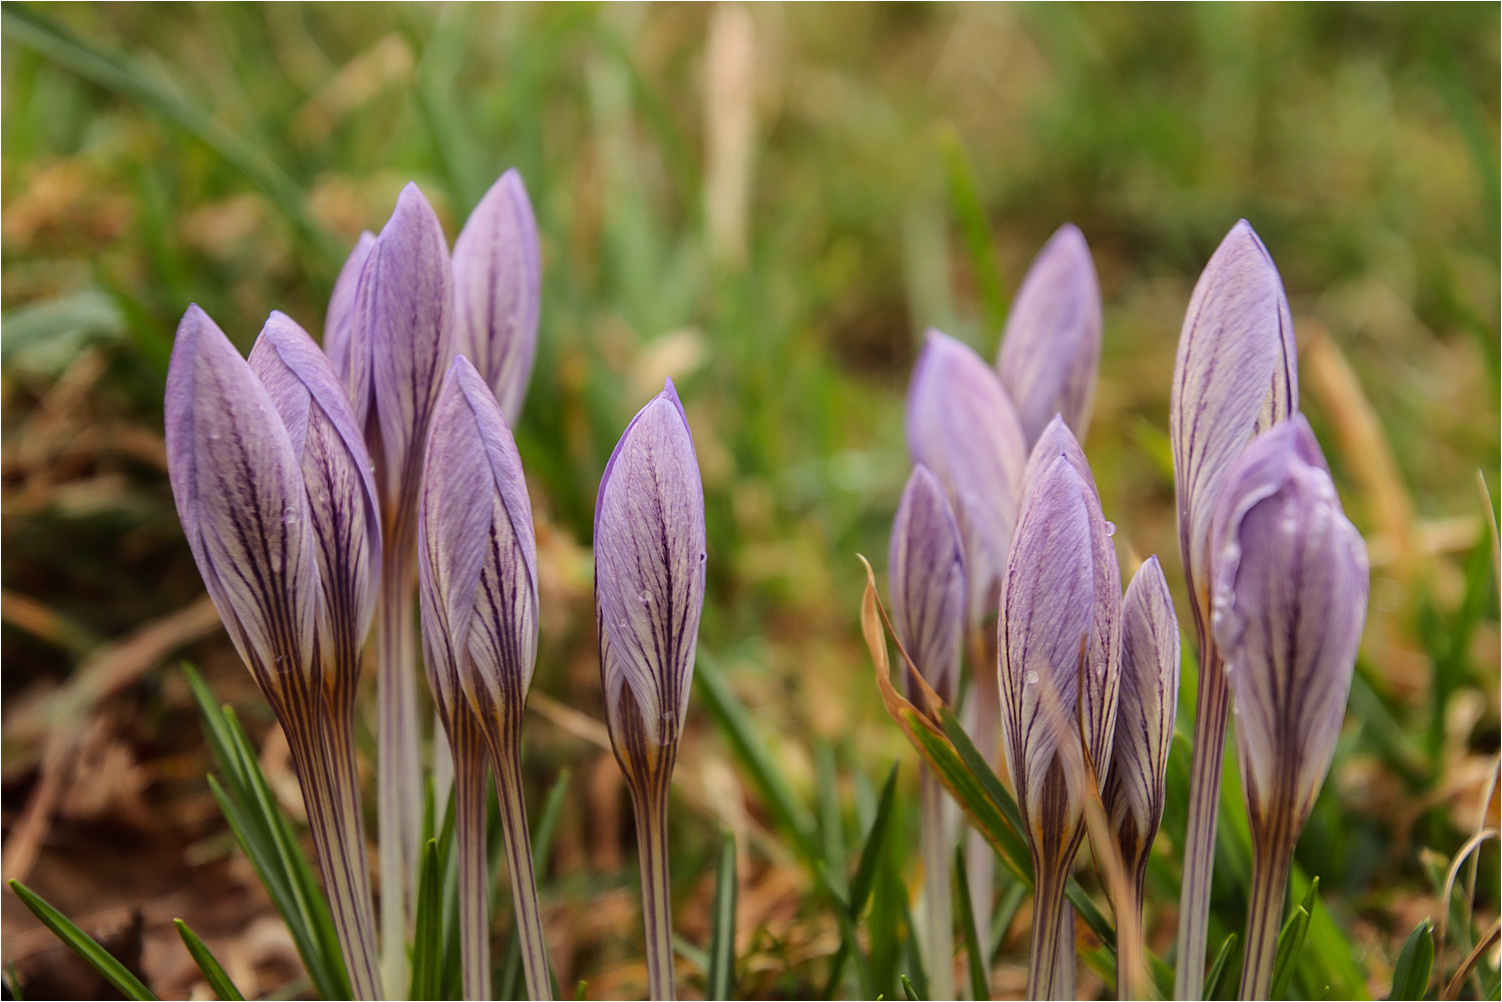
(1211, 706)
(468, 754)
(651, 811)
(399, 800)
(1264, 920)
(938, 908)
(518, 842)
(984, 727)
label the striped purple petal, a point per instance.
(1236, 374)
(1134, 794)
(649, 576)
(1291, 581)
(498, 289)
(240, 496)
(1050, 349)
(339, 324)
(963, 427)
(927, 572)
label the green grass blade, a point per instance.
(980, 987)
(971, 216)
(1219, 970)
(213, 972)
(1410, 976)
(1291, 944)
(1011, 901)
(865, 870)
(82, 944)
(917, 976)
(428, 926)
(12, 982)
(908, 991)
(721, 983)
(831, 822)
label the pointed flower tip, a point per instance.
(926, 571)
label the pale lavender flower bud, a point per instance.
(649, 583)
(1050, 349)
(927, 572)
(1134, 794)
(312, 405)
(239, 490)
(1291, 580)
(498, 289)
(401, 342)
(1236, 374)
(339, 323)
(964, 428)
(477, 555)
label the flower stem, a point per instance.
(984, 728)
(1211, 706)
(469, 842)
(529, 935)
(938, 909)
(400, 792)
(1047, 977)
(1264, 920)
(1131, 976)
(651, 811)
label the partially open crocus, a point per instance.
(1236, 374)
(1059, 648)
(927, 572)
(1290, 595)
(269, 485)
(1133, 795)
(1050, 349)
(477, 558)
(649, 593)
(497, 291)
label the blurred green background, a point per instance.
(769, 205)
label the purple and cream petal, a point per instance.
(338, 325)
(927, 573)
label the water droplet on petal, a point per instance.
(646, 597)
(1031, 678)
(1110, 528)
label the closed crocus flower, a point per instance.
(1290, 595)
(497, 291)
(339, 322)
(1050, 349)
(1236, 375)
(1133, 795)
(237, 471)
(927, 572)
(1059, 646)
(649, 593)
(477, 557)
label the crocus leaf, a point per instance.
(428, 926)
(1218, 973)
(82, 944)
(1410, 975)
(908, 991)
(965, 915)
(721, 980)
(1291, 943)
(213, 972)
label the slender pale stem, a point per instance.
(984, 719)
(529, 935)
(1131, 977)
(340, 740)
(1065, 975)
(468, 754)
(1264, 920)
(651, 811)
(1044, 974)
(399, 802)
(938, 909)
(341, 855)
(1211, 707)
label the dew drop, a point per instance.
(213, 436)
(1031, 678)
(646, 597)
(1110, 528)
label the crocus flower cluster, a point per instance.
(1086, 681)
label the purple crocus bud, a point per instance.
(1050, 349)
(342, 508)
(1236, 374)
(1133, 795)
(1291, 580)
(340, 320)
(1290, 597)
(963, 427)
(927, 571)
(497, 291)
(239, 490)
(400, 343)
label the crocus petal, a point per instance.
(497, 291)
(649, 570)
(240, 496)
(1047, 616)
(336, 471)
(1145, 717)
(1050, 350)
(927, 571)
(1236, 374)
(339, 323)
(401, 340)
(1291, 582)
(962, 426)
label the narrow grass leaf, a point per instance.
(965, 201)
(849, 909)
(1011, 901)
(908, 991)
(831, 824)
(916, 970)
(213, 972)
(1291, 944)
(428, 926)
(979, 985)
(1410, 976)
(1218, 974)
(82, 944)
(721, 983)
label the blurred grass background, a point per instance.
(767, 205)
